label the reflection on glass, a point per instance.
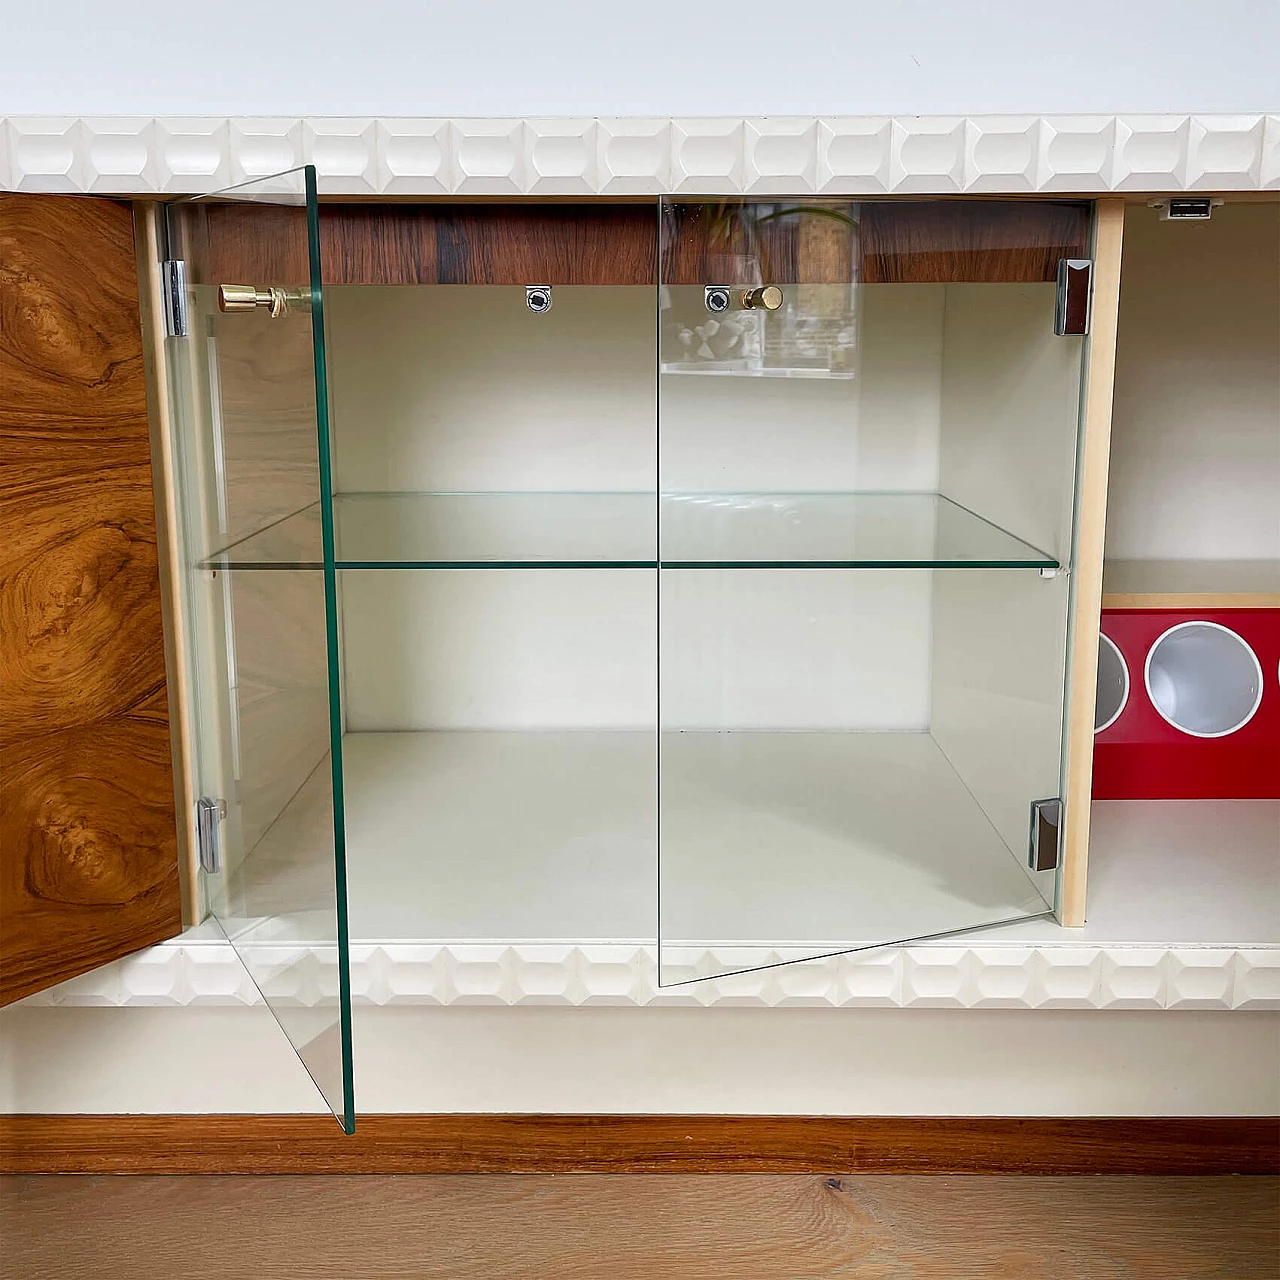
(252, 441)
(852, 729)
(722, 323)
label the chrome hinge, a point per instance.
(173, 279)
(1046, 825)
(1075, 296)
(209, 815)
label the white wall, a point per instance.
(567, 57)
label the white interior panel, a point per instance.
(449, 387)
(1195, 446)
(1010, 400)
(795, 649)
(876, 431)
(488, 649)
(500, 649)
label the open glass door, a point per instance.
(247, 368)
(867, 434)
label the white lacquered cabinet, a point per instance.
(622, 601)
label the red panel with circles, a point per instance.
(1207, 682)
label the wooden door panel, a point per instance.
(88, 836)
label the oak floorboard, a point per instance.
(640, 1227)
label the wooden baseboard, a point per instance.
(303, 1144)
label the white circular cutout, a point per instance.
(1203, 679)
(1113, 685)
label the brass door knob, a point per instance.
(767, 298)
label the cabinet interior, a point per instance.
(784, 641)
(1195, 444)
(1193, 522)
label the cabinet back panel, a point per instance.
(438, 389)
(878, 430)
(1195, 444)
(576, 649)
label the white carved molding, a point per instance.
(202, 970)
(630, 155)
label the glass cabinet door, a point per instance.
(247, 372)
(866, 472)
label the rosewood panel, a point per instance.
(277, 1144)
(705, 242)
(509, 244)
(970, 241)
(246, 243)
(88, 838)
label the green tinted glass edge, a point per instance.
(348, 1119)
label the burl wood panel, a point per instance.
(88, 838)
(762, 1227)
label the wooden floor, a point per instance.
(639, 1227)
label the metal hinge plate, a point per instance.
(1046, 826)
(173, 279)
(209, 815)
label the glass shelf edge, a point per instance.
(260, 566)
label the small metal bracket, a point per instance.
(1075, 296)
(716, 298)
(1046, 820)
(1051, 571)
(537, 298)
(209, 815)
(173, 280)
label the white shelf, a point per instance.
(1184, 913)
(817, 841)
(517, 837)
(1182, 873)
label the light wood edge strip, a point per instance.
(1091, 526)
(146, 223)
(1190, 600)
(418, 1144)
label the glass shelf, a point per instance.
(617, 531)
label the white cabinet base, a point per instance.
(1206, 873)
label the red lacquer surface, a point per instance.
(1143, 757)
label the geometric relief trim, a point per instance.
(648, 155)
(926, 976)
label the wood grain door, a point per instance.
(88, 837)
